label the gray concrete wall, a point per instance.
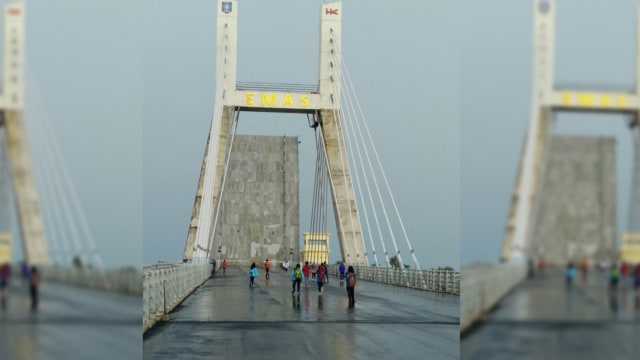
(575, 214)
(259, 218)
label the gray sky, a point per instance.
(85, 58)
(595, 47)
(403, 58)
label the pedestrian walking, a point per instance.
(306, 270)
(570, 274)
(253, 274)
(314, 269)
(296, 278)
(584, 268)
(267, 266)
(320, 277)
(351, 286)
(636, 277)
(326, 271)
(34, 282)
(224, 266)
(342, 270)
(614, 275)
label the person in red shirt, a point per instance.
(267, 265)
(306, 270)
(224, 266)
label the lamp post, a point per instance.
(219, 253)
(291, 255)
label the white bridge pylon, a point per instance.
(322, 102)
(13, 143)
(546, 100)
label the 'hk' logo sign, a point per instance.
(328, 11)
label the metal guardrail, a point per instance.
(292, 88)
(124, 280)
(485, 285)
(431, 280)
(165, 286)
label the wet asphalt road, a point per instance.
(226, 319)
(542, 319)
(70, 323)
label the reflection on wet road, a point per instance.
(227, 319)
(543, 319)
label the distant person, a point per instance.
(24, 268)
(342, 270)
(584, 269)
(4, 284)
(34, 283)
(253, 273)
(320, 277)
(570, 274)
(267, 266)
(636, 277)
(213, 266)
(326, 271)
(296, 278)
(306, 271)
(351, 286)
(314, 269)
(541, 265)
(624, 273)
(614, 275)
(286, 265)
(224, 266)
(530, 268)
(5, 272)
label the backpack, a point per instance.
(298, 273)
(352, 280)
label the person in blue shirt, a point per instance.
(341, 269)
(253, 274)
(570, 274)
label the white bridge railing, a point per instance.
(165, 286)
(124, 280)
(484, 286)
(431, 280)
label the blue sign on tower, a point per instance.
(226, 7)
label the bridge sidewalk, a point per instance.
(542, 319)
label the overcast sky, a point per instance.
(595, 48)
(84, 58)
(403, 57)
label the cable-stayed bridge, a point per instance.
(246, 210)
(41, 215)
(563, 211)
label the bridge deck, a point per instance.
(70, 323)
(227, 319)
(542, 319)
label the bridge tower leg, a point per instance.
(29, 216)
(522, 201)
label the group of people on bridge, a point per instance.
(30, 277)
(320, 273)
